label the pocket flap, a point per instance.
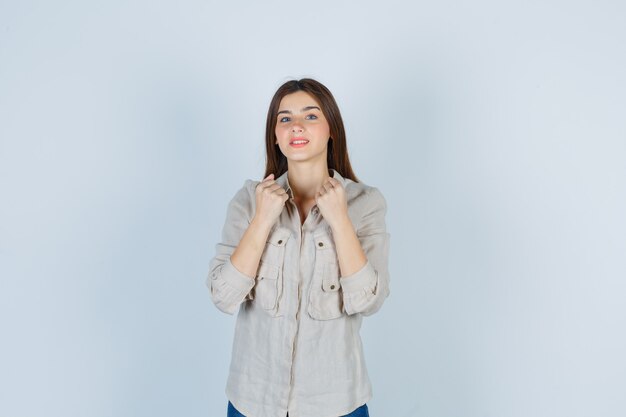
(279, 236)
(330, 284)
(267, 271)
(324, 240)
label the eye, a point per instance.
(282, 119)
(312, 115)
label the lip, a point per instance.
(300, 144)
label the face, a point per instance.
(300, 119)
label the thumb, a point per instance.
(268, 177)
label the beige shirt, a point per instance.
(297, 346)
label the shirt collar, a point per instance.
(284, 182)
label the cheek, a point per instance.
(324, 129)
(280, 131)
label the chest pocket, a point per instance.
(268, 288)
(325, 295)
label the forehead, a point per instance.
(296, 101)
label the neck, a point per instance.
(306, 179)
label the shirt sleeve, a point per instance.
(227, 285)
(365, 290)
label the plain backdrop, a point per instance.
(495, 129)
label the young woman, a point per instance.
(304, 255)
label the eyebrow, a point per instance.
(303, 110)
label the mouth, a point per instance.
(298, 142)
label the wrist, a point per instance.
(261, 223)
(342, 223)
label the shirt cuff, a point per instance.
(363, 279)
(234, 278)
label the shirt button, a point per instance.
(320, 244)
(332, 287)
(280, 241)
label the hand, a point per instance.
(331, 201)
(270, 200)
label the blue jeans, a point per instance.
(359, 412)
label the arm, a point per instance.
(232, 271)
(363, 257)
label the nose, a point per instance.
(297, 127)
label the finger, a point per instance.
(328, 186)
(267, 182)
(272, 187)
(335, 182)
(268, 177)
(279, 190)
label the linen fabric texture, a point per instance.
(297, 346)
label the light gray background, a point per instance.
(496, 130)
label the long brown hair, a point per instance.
(337, 154)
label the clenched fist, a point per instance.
(331, 201)
(270, 200)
